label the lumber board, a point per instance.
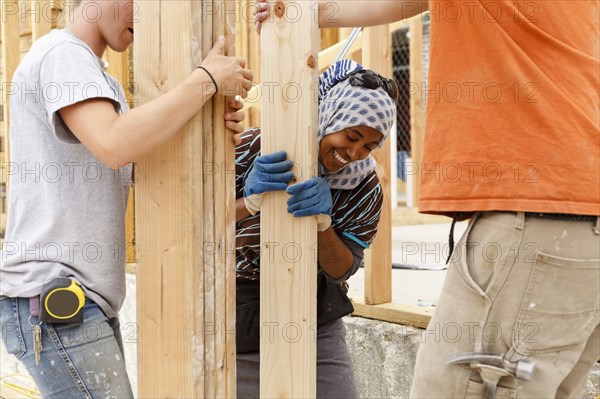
(242, 45)
(329, 37)
(118, 67)
(185, 216)
(10, 58)
(41, 22)
(169, 217)
(224, 24)
(378, 258)
(288, 266)
(326, 58)
(417, 107)
(404, 314)
(410, 216)
(254, 63)
(328, 55)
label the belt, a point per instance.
(563, 216)
(552, 216)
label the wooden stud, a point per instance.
(10, 60)
(329, 37)
(225, 25)
(417, 107)
(118, 67)
(42, 18)
(254, 64)
(408, 315)
(185, 306)
(208, 298)
(327, 56)
(10, 31)
(378, 259)
(288, 259)
(242, 45)
(169, 250)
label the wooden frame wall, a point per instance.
(183, 282)
(376, 55)
(372, 49)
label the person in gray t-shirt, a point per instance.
(72, 143)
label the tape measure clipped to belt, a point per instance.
(62, 301)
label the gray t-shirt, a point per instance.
(66, 215)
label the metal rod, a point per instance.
(351, 38)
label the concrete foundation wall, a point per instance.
(384, 357)
(383, 354)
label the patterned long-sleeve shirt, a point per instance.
(355, 215)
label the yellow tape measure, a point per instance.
(62, 301)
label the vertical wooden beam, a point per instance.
(185, 223)
(167, 224)
(219, 200)
(118, 67)
(378, 259)
(10, 30)
(329, 37)
(242, 44)
(42, 18)
(209, 238)
(288, 245)
(417, 107)
(254, 63)
(10, 58)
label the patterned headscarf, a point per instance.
(349, 96)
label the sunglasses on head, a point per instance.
(372, 80)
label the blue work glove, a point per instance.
(311, 197)
(271, 172)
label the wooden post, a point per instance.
(378, 259)
(185, 303)
(118, 67)
(223, 175)
(10, 60)
(254, 57)
(417, 107)
(288, 265)
(42, 18)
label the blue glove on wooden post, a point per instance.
(271, 172)
(311, 197)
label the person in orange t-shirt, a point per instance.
(512, 141)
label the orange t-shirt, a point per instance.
(513, 115)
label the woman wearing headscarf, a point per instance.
(356, 111)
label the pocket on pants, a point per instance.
(11, 332)
(95, 327)
(560, 306)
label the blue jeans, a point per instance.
(77, 361)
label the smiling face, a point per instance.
(337, 149)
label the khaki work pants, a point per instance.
(525, 287)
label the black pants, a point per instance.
(335, 376)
